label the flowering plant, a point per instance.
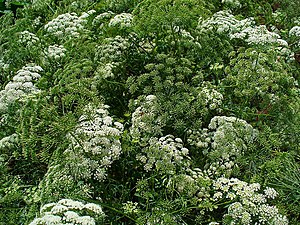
(149, 112)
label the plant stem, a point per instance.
(120, 212)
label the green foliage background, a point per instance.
(163, 53)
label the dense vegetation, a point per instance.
(150, 112)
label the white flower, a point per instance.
(106, 70)
(145, 119)
(37, 221)
(119, 125)
(85, 220)
(295, 31)
(28, 39)
(258, 35)
(58, 209)
(9, 141)
(111, 51)
(71, 204)
(64, 207)
(123, 20)
(21, 87)
(164, 154)
(107, 120)
(130, 207)
(70, 216)
(231, 195)
(56, 52)
(270, 192)
(150, 98)
(246, 218)
(225, 23)
(97, 136)
(51, 219)
(94, 207)
(235, 209)
(217, 196)
(185, 151)
(67, 25)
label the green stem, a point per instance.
(259, 114)
(200, 207)
(50, 8)
(76, 139)
(26, 186)
(192, 207)
(120, 212)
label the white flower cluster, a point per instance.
(105, 71)
(22, 86)
(225, 140)
(37, 22)
(98, 136)
(109, 56)
(278, 16)
(122, 20)
(94, 146)
(100, 19)
(9, 141)
(193, 183)
(259, 35)
(295, 33)
(85, 168)
(164, 155)
(130, 207)
(212, 98)
(145, 120)
(223, 22)
(68, 24)
(285, 53)
(28, 39)
(112, 49)
(56, 52)
(85, 15)
(66, 211)
(220, 127)
(249, 206)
